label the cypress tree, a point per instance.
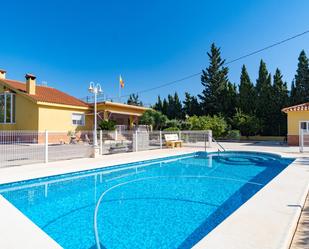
(264, 99)
(301, 93)
(177, 110)
(215, 81)
(280, 100)
(158, 105)
(293, 97)
(247, 94)
(164, 107)
(191, 106)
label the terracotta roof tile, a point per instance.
(46, 94)
(300, 107)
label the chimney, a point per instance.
(30, 83)
(2, 74)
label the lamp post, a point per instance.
(95, 89)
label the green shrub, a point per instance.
(154, 118)
(172, 129)
(107, 125)
(233, 134)
(217, 124)
(247, 124)
(173, 123)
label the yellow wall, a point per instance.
(53, 117)
(59, 119)
(26, 115)
(293, 121)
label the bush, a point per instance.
(184, 125)
(247, 124)
(153, 118)
(174, 123)
(172, 129)
(217, 124)
(233, 134)
(107, 125)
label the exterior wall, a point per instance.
(293, 140)
(294, 117)
(59, 119)
(26, 115)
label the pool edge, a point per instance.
(239, 230)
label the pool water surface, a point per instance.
(164, 203)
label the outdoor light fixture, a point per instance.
(95, 89)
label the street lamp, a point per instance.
(95, 89)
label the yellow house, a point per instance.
(298, 117)
(27, 106)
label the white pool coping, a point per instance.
(259, 223)
(268, 220)
(17, 231)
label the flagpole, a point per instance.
(119, 92)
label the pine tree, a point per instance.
(191, 106)
(264, 99)
(280, 100)
(247, 94)
(301, 93)
(215, 82)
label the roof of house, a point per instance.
(45, 94)
(109, 103)
(295, 108)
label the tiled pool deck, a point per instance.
(267, 220)
(301, 237)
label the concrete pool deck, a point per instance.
(267, 220)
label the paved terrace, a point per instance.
(267, 220)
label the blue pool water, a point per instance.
(165, 203)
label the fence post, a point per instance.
(136, 141)
(209, 138)
(301, 148)
(161, 139)
(116, 135)
(46, 146)
(101, 142)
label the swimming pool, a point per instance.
(164, 203)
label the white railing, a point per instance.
(27, 147)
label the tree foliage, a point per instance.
(248, 125)
(215, 123)
(134, 100)
(107, 125)
(218, 95)
(250, 108)
(154, 118)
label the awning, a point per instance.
(124, 113)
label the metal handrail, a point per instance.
(220, 146)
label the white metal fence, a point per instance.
(303, 140)
(27, 147)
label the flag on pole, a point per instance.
(121, 82)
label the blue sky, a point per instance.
(70, 43)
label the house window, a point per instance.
(7, 108)
(78, 119)
(304, 126)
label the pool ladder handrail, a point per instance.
(220, 146)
